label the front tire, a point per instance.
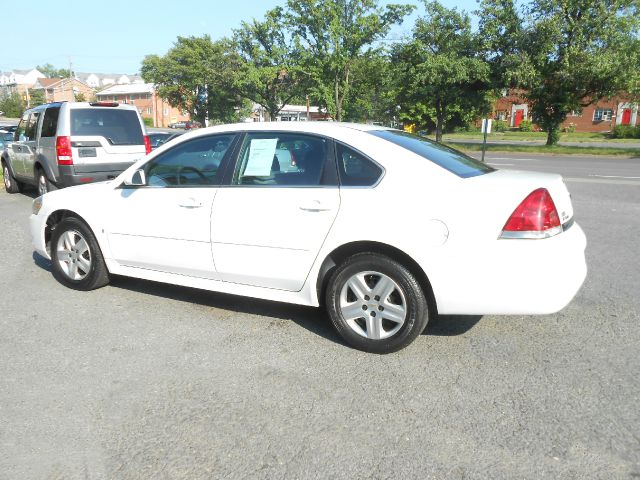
(76, 259)
(376, 304)
(11, 185)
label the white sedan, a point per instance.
(383, 228)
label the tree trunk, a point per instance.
(439, 121)
(337, 99)
(553, 135)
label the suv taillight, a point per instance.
(63, 151)
(535, 217)
(147, 144)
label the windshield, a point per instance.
(118, 126)
(456, 162)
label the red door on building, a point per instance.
(626, 116)
(518, 118)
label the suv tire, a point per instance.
(11, 185)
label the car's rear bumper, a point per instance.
(70, 175)
(518, 277)
(36, 225)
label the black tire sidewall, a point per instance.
(417, 308)
(94, 278)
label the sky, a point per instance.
(114, 36)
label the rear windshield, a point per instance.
(456, 162)
(118, 126)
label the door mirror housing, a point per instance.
(137, 178)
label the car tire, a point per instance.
(76, 259)
(43, 184)
(375, 303)
(11, 185)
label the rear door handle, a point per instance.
(190, 203)
(314, 206)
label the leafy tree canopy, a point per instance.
(196, 75)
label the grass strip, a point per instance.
(554, 150)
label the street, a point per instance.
(146, 380)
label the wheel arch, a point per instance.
(58, 216)
(43, 165)
(342, 252)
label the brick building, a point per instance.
(145, 98)
(64, 90)
(600, 117)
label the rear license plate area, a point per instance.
(87, 152)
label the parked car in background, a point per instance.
(70, 143)
(5, 139)
(8, 128)
(160, 138)
(192, 125)
(384, 228)
(177, 124)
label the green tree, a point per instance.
(573, 53)
(12, 106)
(52, 72)
(197, 75)
(373, 90)
(36, 97)
(331, 35)
(441, 78)
(80, 97)
(269, 74)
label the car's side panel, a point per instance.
(165, 229)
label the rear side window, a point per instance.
(117, 126)
(50, 122)
(355, 169)
(456, 162)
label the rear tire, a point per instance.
(42, 182)
(11, 185)
(76, 259)
(376, 304)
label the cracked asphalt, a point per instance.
(145, 380)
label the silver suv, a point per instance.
(70, 143)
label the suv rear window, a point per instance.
(118, 126)
(456, 162)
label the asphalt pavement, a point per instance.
(145, 380)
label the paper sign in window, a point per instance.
(261, 152)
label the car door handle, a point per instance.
(314, 206)
(190, 203)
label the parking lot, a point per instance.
(145, 380)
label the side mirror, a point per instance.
(137, 178)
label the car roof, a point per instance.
(326, 128)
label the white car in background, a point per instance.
(383, 228)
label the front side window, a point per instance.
(32, 125)
(281, 159)
(19, 135)
(196, 163)
(455, 162)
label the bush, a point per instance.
(500, 126)
(570, 128)
(526, 126)
(625, 131)
(148, 122)
(12, 106)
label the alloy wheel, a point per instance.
(373, 305)
(73, 254)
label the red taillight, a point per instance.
(63, 151)
(535, 217)
(147, 144)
